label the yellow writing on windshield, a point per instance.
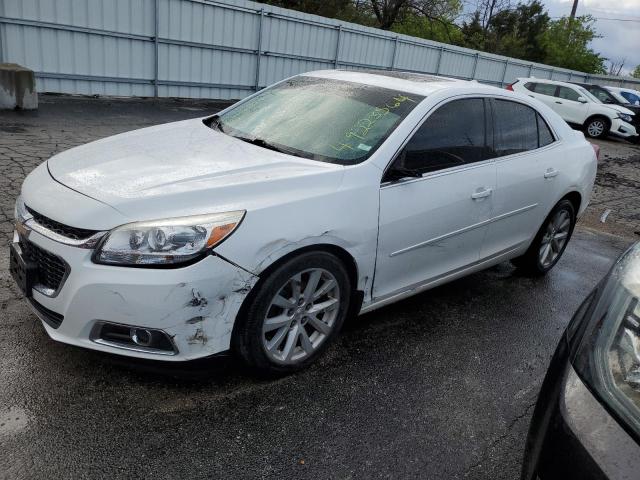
(363, 126)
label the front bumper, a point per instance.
(623, 129)
(196, 306)
(572, 435)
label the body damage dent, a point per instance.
(203, 320)
(277, 249)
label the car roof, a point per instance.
(411, 82)
(552, 82)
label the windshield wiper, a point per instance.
(260, 142)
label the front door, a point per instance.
(434, 223)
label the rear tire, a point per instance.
(550, 241)
(597, 127)
(293, 314)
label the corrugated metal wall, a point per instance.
(220, 49)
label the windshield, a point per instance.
(326, 120)
(619, 97)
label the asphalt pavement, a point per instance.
(441, 385)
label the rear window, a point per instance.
(320, 119)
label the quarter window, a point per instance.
(545, 137)
(455, 134)
(516, 127)
(568, 94)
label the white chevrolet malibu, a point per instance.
(260, 229)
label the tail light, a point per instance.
(510, 86)
(596, 149)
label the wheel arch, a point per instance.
(597, 115)
(357, 296)
(575, 198)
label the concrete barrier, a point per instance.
(17, 87)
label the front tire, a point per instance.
(550, 241)
(597, 127)
(293, 314)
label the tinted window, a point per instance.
(516, 128)
(545, 137)
(601, 94)
(455, 134)
(568, 94)
(545, 89)
(530, 86)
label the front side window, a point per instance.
(568, 94)
(516, 128)
(326, 120)
(545, 89)
(455, 134)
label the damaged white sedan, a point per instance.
(260, 229)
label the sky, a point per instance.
(620, 39)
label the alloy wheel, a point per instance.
(555, 238)
(596, 128)
(301, 316)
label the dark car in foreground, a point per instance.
(586, 423)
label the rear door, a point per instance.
(526, 171)
(545, 92)
(434, 224)
(570, 109)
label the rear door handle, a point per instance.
(559, 102)
(481, 193)
(551, 172)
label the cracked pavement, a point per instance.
(441, 385)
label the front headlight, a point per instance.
(625, 117)
(169, 241)
(608, 358)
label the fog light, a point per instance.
(148, 340)
(141, 336)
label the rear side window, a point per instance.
(568, 94)
(530, 86)
(545, 89)
(455, 134)
(516, 127)
(545, 137)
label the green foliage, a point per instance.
(636, 72)
(566, 44)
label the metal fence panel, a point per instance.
(221, 48)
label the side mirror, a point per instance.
(582, 100)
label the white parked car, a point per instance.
(630, 95)
(261, 228)
(579, 107)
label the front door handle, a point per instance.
(559, 102)
(551, 172)
(481, 193)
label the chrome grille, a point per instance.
(61, 229)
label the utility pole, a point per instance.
(573, 9)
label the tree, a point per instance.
(636, 72)
(566, 44)
(513, 32)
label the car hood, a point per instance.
(621, 109)
(183, 168)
